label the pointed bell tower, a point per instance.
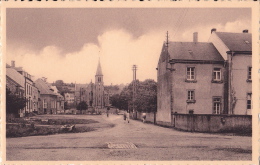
(99, 88)
(99, 74)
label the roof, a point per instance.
(99, 70)
(79, 86)
(236, 41)
(194, 51)
(18, 68)
(14, 75)
(43, 87)
(55, 90)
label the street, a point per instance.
(129, 141)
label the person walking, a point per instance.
(127, 115)
(108, 111)
(143, 117)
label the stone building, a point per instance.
(48, 103)
(236, 49)
(95, 94)
(30, 90)
(190, 79)
(205, 77)
(15, 83)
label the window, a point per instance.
(44, 103)
(249, 74)
(217, 74)
(191, 96)
(249, 101)
(216, 105)
(190, 73)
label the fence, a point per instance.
(213, 123)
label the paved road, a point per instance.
(138, 141)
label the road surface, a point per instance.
(129, 141)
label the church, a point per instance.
(94, 94)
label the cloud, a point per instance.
(118, 51)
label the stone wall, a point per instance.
(213, 123)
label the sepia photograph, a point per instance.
(129, 84)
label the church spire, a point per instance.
(99, 70)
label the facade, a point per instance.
(69, 98)
(48, 103)
(30, 90)
(60, 100)
(194, 78)
(15, 83)
(236, 49)
(95, 94)
(81, 92)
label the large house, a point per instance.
(205, 77)
(48, 103)
(236, 49)
(31, 92)
(15, 83)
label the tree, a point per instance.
(146, 97)
(82, 106)
(59, 83)
(14, 103)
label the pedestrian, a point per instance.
(127, 115)
(124, 115)
(108, 111)
(143, 117)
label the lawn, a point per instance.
(50, 124)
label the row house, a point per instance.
(48, 103)
(236, 49)
(60, 100)
(205, 77)
(31, 92)
(15, 83)
(80, 93)
(69, 98)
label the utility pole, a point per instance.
(134, 68)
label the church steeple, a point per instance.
(99, 70)
(99, 74)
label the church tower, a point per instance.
(99, 88)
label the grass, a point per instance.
(20, 127)
(20, 130)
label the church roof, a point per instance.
(99, 70)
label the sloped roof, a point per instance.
(55, 90)
(43, 87)
(14, 75)
(194, 51)
(78, 86)
(236, 41)
(99, 70)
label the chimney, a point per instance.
(245, 31)
(213, 30)
(13, 64)
(44, 79)
(195, 37)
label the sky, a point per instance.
(66, 43)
